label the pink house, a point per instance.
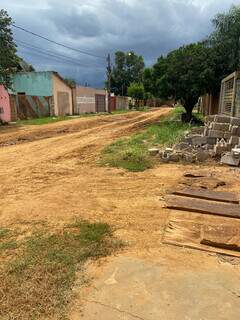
(5, 108)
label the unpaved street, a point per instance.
(50, 173)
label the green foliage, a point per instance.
(136, 91)
(183, 74)
(132, 153)
(9, 59)
(225, 45)
(128, 68)
(198, 68)
(70, 82)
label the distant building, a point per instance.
(90, 100)
(39, 94)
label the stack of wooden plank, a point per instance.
(207, 220)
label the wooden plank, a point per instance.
(207, 195)
(185, 230)
(226, 237)
(203, 206)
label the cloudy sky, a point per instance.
(148, 27)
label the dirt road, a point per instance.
(50, 173)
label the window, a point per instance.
(1, 110)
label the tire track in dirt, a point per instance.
(43, 168)
(17, 135)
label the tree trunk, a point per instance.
(187, 116)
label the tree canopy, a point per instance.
(128, 67)
(8, 57)
(198, 68)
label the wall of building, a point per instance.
(33, 83)
(5, 109)
(62, 97)
(85, 99)
(122, 103)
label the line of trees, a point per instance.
(187, 72)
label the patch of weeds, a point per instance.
(4, 232)
(37, 283)
(9, 245)
(132, 153)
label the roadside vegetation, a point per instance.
(37, 271)
(132, 153)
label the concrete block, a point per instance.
(229, 147)
(235, 121)
(216, 134)
(189, 157)
(236, 153)
(235, 131)
(188, 140)
(209, 118)
(205, 132)
(227, 135)
(199, 140)
(208, 147)
(211, 140)
(222, 118)
(153, 151)
(174, 157)
(198, 130)
(234, 140)
(182, 146)
(220, 126)
(202, 156)
(220, 149)
(230, 160)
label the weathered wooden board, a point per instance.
(207, 195)
(203, 206)
(185, 230)
(222, 236)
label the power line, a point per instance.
(52, 53)
(57, 43)
(59, 59)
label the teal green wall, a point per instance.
(34, 83)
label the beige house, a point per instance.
(90, 100)
(62, 96)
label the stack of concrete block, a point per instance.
(220, 138)
(227, 132)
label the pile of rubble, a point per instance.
(219, 139)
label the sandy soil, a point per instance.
(57, 178)
(50, 173)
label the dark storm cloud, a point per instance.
(74, 22)
(149, 27)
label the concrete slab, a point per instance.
(131, 288)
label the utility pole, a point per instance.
(109, 71)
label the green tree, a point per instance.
(128, 68)
(8, 58)
(136, 91)
(70, 82)
(184, 74)
(225, 44)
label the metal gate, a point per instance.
(32, 106)
(63, 103)
(100, 100)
